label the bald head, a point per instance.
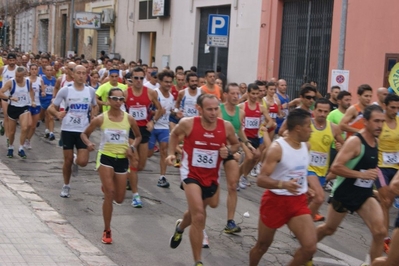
(382, 94)
(282, 86)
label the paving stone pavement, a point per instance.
(33, 233)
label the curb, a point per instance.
(76, 242)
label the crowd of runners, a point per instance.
(298, 149)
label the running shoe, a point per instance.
(318, 218)
(27, 144)
(329, 186)
(199, 263)
(10, 153)
(136, 202)
(128, 187)
(75, 167)
(163, 182)
(243, 182)
(47, 135)
(21, 153)
(176, 238)
(205, 241)
(232, 228)
(387, 243)
(254, 172)
(1, 128)
(396, 202)
(258, 167)
(52, 137)
(309, 263)
(156, 149)
(65, 191)
(107, 238)
(177, 163)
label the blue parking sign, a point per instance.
(218, 25)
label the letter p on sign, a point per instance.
(217, 23)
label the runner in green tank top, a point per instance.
(356, 166)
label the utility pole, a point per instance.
(342, 35)
(5, 27)
(71, 25)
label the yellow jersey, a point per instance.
(114, 136)
(1, 74)
(388, 147)
(320, 144)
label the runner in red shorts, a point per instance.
(285, 201)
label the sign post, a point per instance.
(340, 78)
(218, 33)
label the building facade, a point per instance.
(297, 40)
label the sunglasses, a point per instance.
(114, 76)
(116, 98)
(310, 97)
(138, 78)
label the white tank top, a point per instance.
(64, 82)
(36, 86)
(167, 103)
(8, 74)
(77, 104)
(288, 168)
(22, 93)
(189, 102)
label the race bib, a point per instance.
(138, 113)
(49, 89)
(363, 183)
(191, 112)
(115, 136)
(252, 122)
(318, 159)
(273, 115)
(23, 98)
(299, 176)
(204, 158)
(285, 111)
(390, 157)
(73, 120)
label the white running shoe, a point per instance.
(243, 182)
(254, 172)
(65, 191)
(205, 241)
(75, 168)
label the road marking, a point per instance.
(338, 254)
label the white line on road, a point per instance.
(338, 254)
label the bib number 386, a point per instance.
(204, 158)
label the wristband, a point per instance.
(132, 148)
(133, 169)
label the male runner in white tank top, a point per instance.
(285, 200)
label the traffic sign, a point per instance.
(218, 30)
(340, 78)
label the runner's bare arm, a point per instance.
(283, 128)
(57, 87)
(136, 131)
(4, 89)
(85, 135)
(337, 132)
(182, 129)
(394, 185)
(350, 114)
(32, 95)
(231, 137)
(350, 150)
(154, 98)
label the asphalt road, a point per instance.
(141, 236)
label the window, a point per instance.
(145, 10)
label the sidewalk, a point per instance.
(33, 233)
